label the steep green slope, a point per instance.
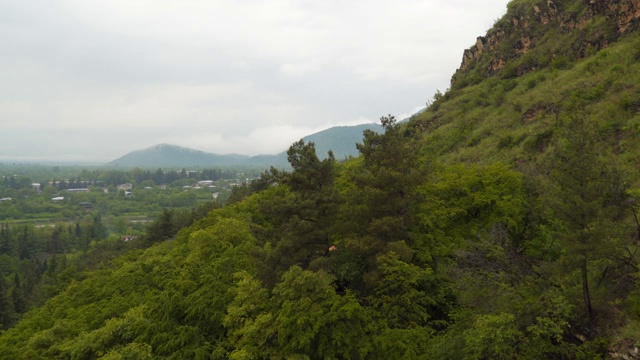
(507, 98)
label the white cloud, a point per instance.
(270, 140)
(300, 68)
(106, 77)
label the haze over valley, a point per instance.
(90, 81)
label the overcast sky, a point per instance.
(87, 80)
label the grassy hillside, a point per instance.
(509, 117)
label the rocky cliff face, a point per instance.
(526, 22)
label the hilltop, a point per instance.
(341, 140)
(172, 156)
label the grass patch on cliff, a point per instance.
(509, 118)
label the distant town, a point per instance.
(53, 193)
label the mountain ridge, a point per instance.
(341, 140)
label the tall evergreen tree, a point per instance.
(78, 231)
(18, 295)
(5, 239)
(306, 213)
(585, 193)
(55, 244)
(97, 229)
(163, 228)
(23, 245)
(6, 307)
(32, 280)
(387, 185)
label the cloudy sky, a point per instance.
(88, 80)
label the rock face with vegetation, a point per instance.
(500, 223)
(535, 33)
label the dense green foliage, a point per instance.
(501, 223)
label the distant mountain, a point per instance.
(278, 161)
(165, 155)
(340, 139)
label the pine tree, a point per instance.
(387, 185)
(18, 296)
(6, 307)
(162, 228)
(23, 246)
(5, 239)
(55, 245)
(97, 230)
(307, 212)
(586, 195)
(78, 231)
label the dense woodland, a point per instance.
(44, 242)
(501, 223)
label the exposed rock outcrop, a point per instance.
(519, 30)
(625, 350)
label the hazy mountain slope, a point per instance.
(165, 155)
(340, 139)
(278, 161)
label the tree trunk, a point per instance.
(585, 290)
